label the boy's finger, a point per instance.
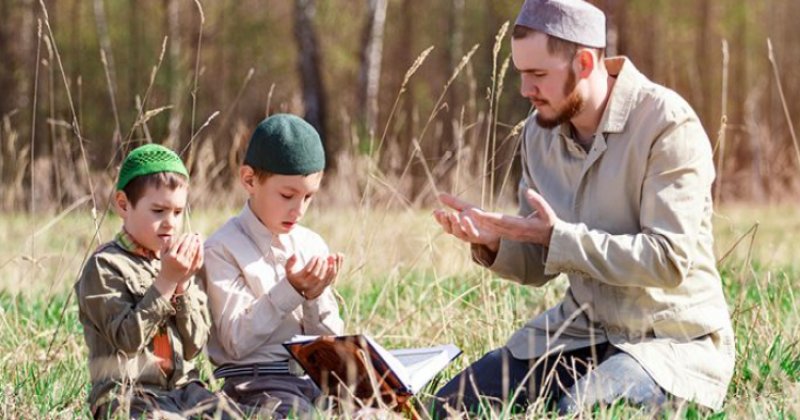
(290, 263)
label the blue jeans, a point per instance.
(569, 382)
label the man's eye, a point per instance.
(158, 211)
(286, 196)
(178, 212)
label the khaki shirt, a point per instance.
(121, 312)
(634, 240)
(253, 306)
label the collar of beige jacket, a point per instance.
(623, 96)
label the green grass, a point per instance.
(407, 285)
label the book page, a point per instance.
(423, 364)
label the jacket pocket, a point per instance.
(689, 322)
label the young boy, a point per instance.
(143, 317)
(268, 278)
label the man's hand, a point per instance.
(461, 223)
(311, 280)
(180, 259)
(536, 227)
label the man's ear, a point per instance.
(248, 178)
(586, 62)
(121, 203)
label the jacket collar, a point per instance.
(623, 95)
(129, 244)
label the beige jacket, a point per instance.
(634, 240)
(253, 306)
(121, 312)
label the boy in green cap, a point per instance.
(267, 277)
(143, 316)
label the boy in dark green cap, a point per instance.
(143, 316)
(267, 277)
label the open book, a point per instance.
(357, 361)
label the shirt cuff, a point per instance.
(285, 297)
(182, 304)
(563, 243)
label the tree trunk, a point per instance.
(309, 68)
(370, 74)
(101, 22)
(174, 75)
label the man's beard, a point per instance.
(573, 105)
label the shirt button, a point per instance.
(636, 336)
(614, 331)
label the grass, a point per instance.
(407, 285)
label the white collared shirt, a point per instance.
(253, 306)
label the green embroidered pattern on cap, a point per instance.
(149, 159)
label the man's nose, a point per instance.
(527, 88)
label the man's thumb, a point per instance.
(537, 202)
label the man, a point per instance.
(615, 193)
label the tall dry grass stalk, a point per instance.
(786, 113)
(720, 146)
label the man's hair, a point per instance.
(555, 45)
(136, 188)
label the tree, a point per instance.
(370, 75)
(309, 66)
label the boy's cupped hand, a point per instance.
(311, 280)
(180, 259)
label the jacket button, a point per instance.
(614, 331)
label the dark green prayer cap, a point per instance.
(285, 144)
(149, 159)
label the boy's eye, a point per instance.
(158, 211)
(178, 212)
(286, 196)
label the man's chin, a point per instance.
(547, 123)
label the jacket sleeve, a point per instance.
(522, 262)
(675, 200)
(241, 321)
(191, 317)
(110, 306)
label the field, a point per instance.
(406, 284)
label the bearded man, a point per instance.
(615, 193)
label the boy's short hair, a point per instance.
(136, 187)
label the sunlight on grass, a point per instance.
(407, 285)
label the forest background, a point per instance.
(97, 77)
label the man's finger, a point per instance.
(454, 202)
(537, 202)
(469, 227)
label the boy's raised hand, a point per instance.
(180, 259)
(318, 274)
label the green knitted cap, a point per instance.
(285, 144)
(149, 159)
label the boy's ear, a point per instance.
(121, 203)
(248, 178)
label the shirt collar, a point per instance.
(256, 230)
(128, 243)
(623, 95)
